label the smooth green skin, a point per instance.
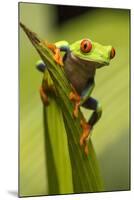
(99, 55)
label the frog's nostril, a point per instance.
(112, 53)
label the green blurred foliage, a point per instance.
(111, 134)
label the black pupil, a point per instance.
(85, 45)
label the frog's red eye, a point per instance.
(86, 46)
(112, 53)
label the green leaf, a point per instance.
(57, 153)
(85, 170)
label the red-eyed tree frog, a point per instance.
(80, 61)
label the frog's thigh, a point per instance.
(90, 103)
(93, 104)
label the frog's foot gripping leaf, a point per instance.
(74, 97)
(85, 135)
(56, 51)
(47, 88)
(43, 96)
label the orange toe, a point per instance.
(86, 149)
(58, 57)
(43, 96)
(76, 109)
(86, 131)
(56, 51)
(73, 96)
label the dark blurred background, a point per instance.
(66, 13)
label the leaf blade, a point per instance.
(58, 158)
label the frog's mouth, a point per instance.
(102, 64)
(89, 63)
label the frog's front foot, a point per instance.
(85, 135)
(57, 56)
(43, 96)
(56, 51)
(74, 97)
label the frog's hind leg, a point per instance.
(94, 105)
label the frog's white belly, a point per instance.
(79, 72)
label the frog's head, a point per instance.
(88, 50)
